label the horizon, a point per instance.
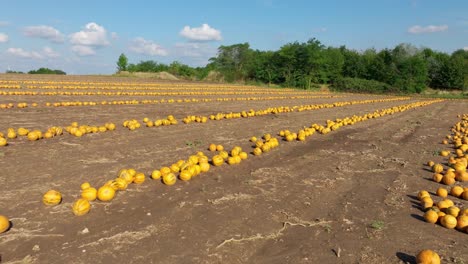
(86, 38)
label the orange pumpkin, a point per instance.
(456, 191)
(431, 216)
(441, 192)
(427, 256)
(52, 197)
(81, 207)
(106, 193)
(4, 223)
(438, 168)
(462, 222)
(437, 177)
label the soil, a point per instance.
(344, 197)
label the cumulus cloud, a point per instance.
(203, 33)
(44, 32)
(147, 47)
(81, 50)
(3, 38)
(45, 53)
(21, 53)
(91, 35)
(427, 29)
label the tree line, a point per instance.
(40, 71)
(404, 68)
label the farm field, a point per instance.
(348, 194)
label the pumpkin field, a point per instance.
(124, 170)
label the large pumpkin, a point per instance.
(4, 223)
(105, 193)
(81, 207)
(52, 197)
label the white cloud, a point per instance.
(50, 53)
(3, 38)
(203, 33)
(114, 35)
(428, 29)
(465, 48)
(44, 32)
(4, 23)
(148, 47)
(21, 53)
(91, 35)
(83, 50)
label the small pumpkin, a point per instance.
(105, 193)
(185, 175)
(81, 207)
(431, 216)
(89, 194)
(438, 168)
(217, 160)
(85, 185)
(4, 223)
(52, 197)
(442, 192)
(156, 175)
(169, 179)
(139, 178)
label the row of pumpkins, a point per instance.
(170, 120)
(445, 211)
(162, 101)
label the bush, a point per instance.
(47, 71)
(356, 85)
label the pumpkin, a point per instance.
(169, 179)
(422, 194)
(212, 147)
(165, 170)
(85, 185)
(185, 175)
(132, 172)
(448, 221)
(231, 161)
(3, 142)
(437, 177)
(89, 194)
(243, 155)
(81, 207)
(4, 223)
(456, 191)
(431, 216)
(204, 166)
(444, 153)
(452, 210)
(427, 256)
(257, 151)
(217, 160)
(120, 184)
(156, 175)
(124, 174)
(462, 222)
(427, 202)
(219, 147)
(437, 168)
(202, 159)
(447, 180)
(461, 176)
(253, 139)
(52, 197)
(459, 166)
(441, 192)
(105, 193)
(139, 178)
(430, 163)
(464, 195)
(223, 154)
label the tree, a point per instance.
(122, 63)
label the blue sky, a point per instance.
(86, 37)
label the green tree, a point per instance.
(122, 63)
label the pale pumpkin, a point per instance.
(52, 197)
(81, 207)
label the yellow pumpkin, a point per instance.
(452, 210)
(464, 195)
(139, 178)
(89, 194)
(212, 147)
(243, 155)
(105, 193)
(437, 168)
(427, 256)
(430, 163)
(81, 207)
(52, 197)
(217, 160)
(156, 175)
(441, 192)
(461, 176)
(185, 175)
(231, 161)
(448, 221)
(165, 170)
(4, 223)
(124, 174)
(437, 177)
(456, 191)
(224, 154)
(422, 194)
(85, 185)
(120, 184)
(462, 222)
(204, 166)
(219, 147)
(3, 142)
(169, 179)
